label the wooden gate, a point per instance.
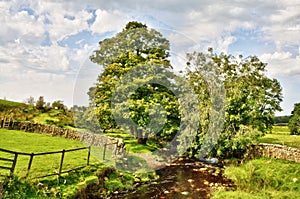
(13, 162)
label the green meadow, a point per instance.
(19, 141)
(281, 135)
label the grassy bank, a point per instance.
(281, 135)
(263, 178)
(97, 180)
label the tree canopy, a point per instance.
(236, 100)
(136, 46)
(251, 98)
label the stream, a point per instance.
(182, 179)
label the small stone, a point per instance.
(176, 190)
(206, 182)
(185, 193)
(203, 169)
(190, 180)
(106, 178)
(166, 192)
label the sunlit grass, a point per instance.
(36, 143)
(281, 135)
(44, 117)
(131, 143)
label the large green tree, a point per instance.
(135, 46)
(251, 99)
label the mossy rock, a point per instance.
(91, 180)
(113, 185)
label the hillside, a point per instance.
(6, 105)
(46, 115)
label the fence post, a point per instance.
(61, 162)
(14, 165)
(2, 122)
(104, 149)
(29, 164)
(88, 158)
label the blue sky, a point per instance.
(45, 45)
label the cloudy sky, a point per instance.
(45, 45)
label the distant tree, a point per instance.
(294, 121)
(40, 103)
(59, 105)
(281, 119)
(30, 101)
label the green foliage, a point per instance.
(59, 115)
(135, 38)
(251, 98)
(281, 119)
(40, 103)
(19, 189)
(134, 47)
(264, 178)
(294, 122)
(85, 118)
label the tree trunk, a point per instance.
(142, 140)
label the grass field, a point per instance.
(69, 184)
(281, 135)
(35, 143)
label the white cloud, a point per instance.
(108, 21)
(193, 25)
(281, 63)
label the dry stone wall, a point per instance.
(273, 151)
(86, 137)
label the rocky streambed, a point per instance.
(182, 179)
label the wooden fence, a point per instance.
(32, 155)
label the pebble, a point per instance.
(190, 180)
(185, 193)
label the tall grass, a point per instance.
(264, 178)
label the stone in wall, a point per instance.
(273, 151)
